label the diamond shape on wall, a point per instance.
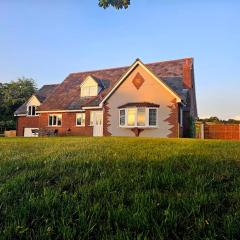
(138, 80)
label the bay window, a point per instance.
(55, 120)
(138, 117)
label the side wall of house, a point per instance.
(68, 124)
(150, 91)
(26, 122)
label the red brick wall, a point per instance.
(187, 74)
(106, 123)
(222, 131)
(68, 124)
(173, 120)
(29, 122)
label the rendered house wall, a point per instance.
(149, 91)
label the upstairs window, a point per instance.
(90, 87)
(55, 120)
(138, 117)
(89, 91)
(31, 111)
(80, 119)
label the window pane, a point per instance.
(85, 91)
(91, 118)
(33, 110)
(141, 117)
(80, 119)
(131, 116)
(50, 121)
(122, 117)
(93, 91)
(152, 117)
(29, 110)
(54, 122)
(83, 119)
(59, 120)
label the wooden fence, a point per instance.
(10, 133)
(218, 131)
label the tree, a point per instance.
(12, 96)
(217, 120)
(118, 4)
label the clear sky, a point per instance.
(48, 39)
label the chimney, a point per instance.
(187, 73)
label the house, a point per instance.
(150, 100)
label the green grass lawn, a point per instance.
(119, 188)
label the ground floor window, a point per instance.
(80, 119)
(55, 120)
(138, 117)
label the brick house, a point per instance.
(152, 100)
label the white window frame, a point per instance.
(83, 117)
(146, 118)
(91, 119)
(88, 89)
(55, 125)
(156, 117)
(120, 117)
(31, 111)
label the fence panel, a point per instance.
(222, 131)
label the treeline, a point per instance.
(217, 120)
(12, 96)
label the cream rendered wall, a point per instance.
(90, 82)
(33, 101)
(150, 91)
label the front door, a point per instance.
(98, 123)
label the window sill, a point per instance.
(54, 126)
(138, 126)
(78, 126)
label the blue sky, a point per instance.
(47, 40)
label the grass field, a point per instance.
(119, 188)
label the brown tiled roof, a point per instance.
(67, 95)
(41, 95)
(45, 91)
(139, 104)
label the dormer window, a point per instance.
(90, 87)
(31, 111)
(88, 91)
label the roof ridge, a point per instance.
(97, 70)
(174, 60)
(115, 68)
